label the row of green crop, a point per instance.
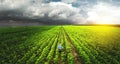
(51, 54)
(53, 57)
(66, 55)
(56, 57)
(86, 49)
(36, 53)
(40, 51)
(17, 52)
(99, 56)
(105, 41)
(42, 58)
(10, 46)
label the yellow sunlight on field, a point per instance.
(106, 29)
(103, 28)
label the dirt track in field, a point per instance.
(59, 54)
(76, 57)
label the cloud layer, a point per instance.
(61, 11)
(58, 12)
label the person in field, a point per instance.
(60, 48)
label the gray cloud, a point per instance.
(40, 10)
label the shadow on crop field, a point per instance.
(16, 41)
(17, 35)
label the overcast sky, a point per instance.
(62, 11)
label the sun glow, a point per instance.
(104, 14)
(100, 18)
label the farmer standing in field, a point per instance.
(60, 48)
(59, 55)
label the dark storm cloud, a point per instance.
(45, 11)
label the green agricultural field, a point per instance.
(39, 45)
